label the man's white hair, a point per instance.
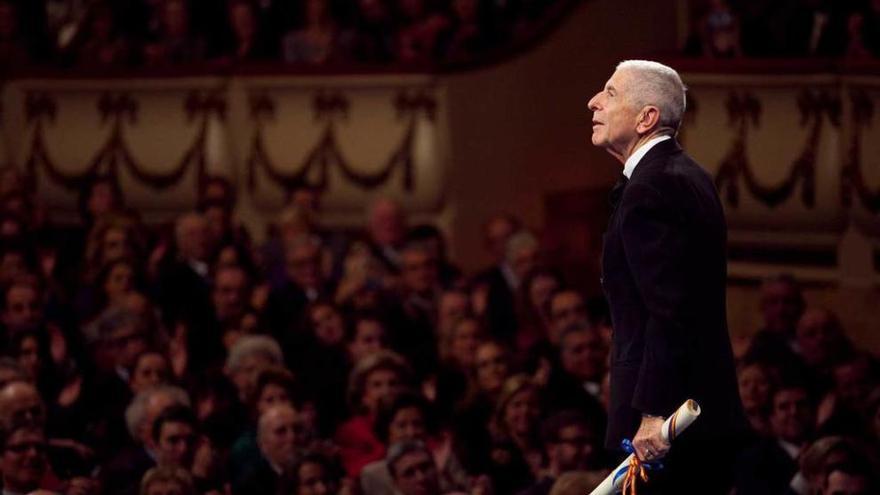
(519, 241)
(658, 85)
(253, 345)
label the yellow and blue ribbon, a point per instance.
(636, 469)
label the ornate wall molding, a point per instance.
(119, 109)
(852, 178)
(744, 113)
(330, 106)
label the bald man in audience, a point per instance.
(20, 403)
(279, 434)
(11, 371)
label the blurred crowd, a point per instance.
(186, 358)
(784, 28)
(161, 33)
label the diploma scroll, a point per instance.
(671, 429)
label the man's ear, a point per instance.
(648, 120)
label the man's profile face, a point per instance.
(614, 119)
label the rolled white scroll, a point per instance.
(671, 429)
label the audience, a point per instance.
(374, 366)
(769, 465)
(809, 28)
(104, 34)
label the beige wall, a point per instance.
(520, 130)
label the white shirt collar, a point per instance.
(509, 276)
(791, 449)
(640, 153)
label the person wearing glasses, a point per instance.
(571, 443)
(23, 458)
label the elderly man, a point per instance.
(303, 283)
(279, 434)
(664, 274)
(20, 403)
(249, 356)
(520, 257)
(184, 290)
(123, 472)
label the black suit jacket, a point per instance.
(664, 274)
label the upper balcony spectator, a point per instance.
(248, 41)
(469, 33)
(13, 46)
(420, 31)
(862, 33)
(100, 42)
(716, 34)
(816, 28)
(175, 43)
(796, 29)
(64, 18)
(374, 32)
(320, 39)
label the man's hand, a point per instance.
(648, 442)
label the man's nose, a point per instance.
(593, 104)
